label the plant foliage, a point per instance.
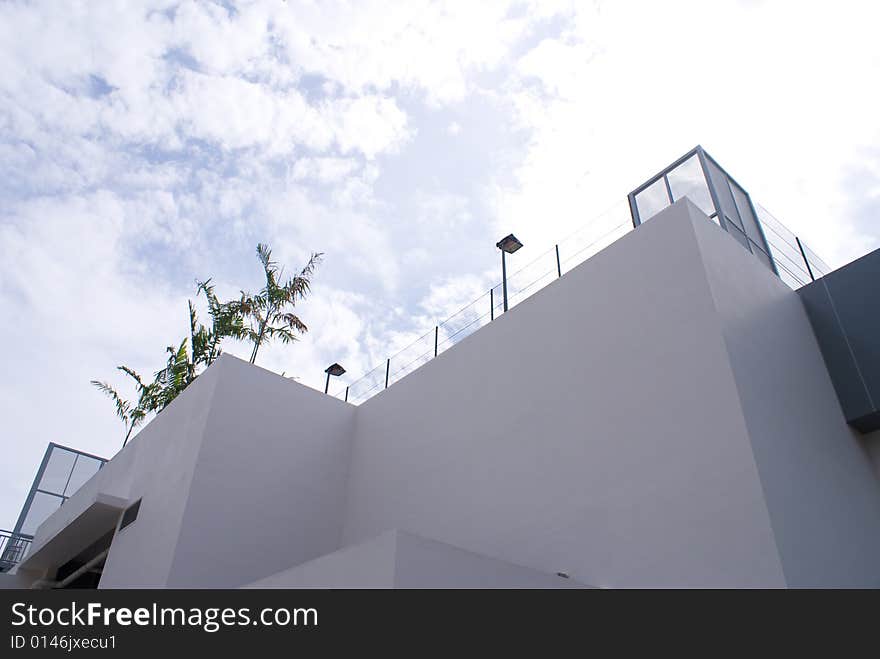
(256, 318)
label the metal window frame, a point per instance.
(32, 492)
(704, 159)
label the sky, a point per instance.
(146, 144)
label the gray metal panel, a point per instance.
(843, 310)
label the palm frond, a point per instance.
(132, 374)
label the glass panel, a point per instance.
(42, 506)
(531, 277)
(83, 470)
(466, 321)
(652, 199)
(687, 180)
(817, 265)
(410, 358)
(783, 249)
(595, 236)
(745, 212)
(497, 301)
(722, 189)
(57, 470)
(794, 282)
(784, 261)
(367, 386)
(734, 231)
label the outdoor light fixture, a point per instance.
(335, 370)
(507, 245)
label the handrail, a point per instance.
(796, 264)
(13, 547)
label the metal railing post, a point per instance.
(504, 278)
(387, 371)
(558, 263)
(436, 335)
(346, 394)
(491, 304)
(804, 256)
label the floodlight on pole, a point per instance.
(335, 370)
(507, 245)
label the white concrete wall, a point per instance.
(369, 564)
(659, 416)
(424, 563)
(269, 486)
(397, 559)
(594, 429)
(243, 475)
(157, 466)
(821, 491)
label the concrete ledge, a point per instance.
(396, 559)
(97, 518)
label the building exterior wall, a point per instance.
(157, 467)
(847, 326)
(424, 563)
(269, 483)
(821, 491)
(369, 564)
(594, 429)
(659, 416)
(871, 444)
(396, 559)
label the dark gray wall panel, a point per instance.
(845, 314)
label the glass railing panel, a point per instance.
(411, 357)
(531, 277)
(525, 279)
(367, 385)
(464, 322)
(652, 200)
(817, 265)
(688, 180)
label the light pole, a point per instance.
(507, 245)
(335, 370)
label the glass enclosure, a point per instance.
(62, 472)
(699, 177)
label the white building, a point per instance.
(665, 414)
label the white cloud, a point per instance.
(443, 210)
(625, 89)
(449, 295)
(324, 170)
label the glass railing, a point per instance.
(796, 264)
(522, 282)
(62, 473)
(818, 267)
